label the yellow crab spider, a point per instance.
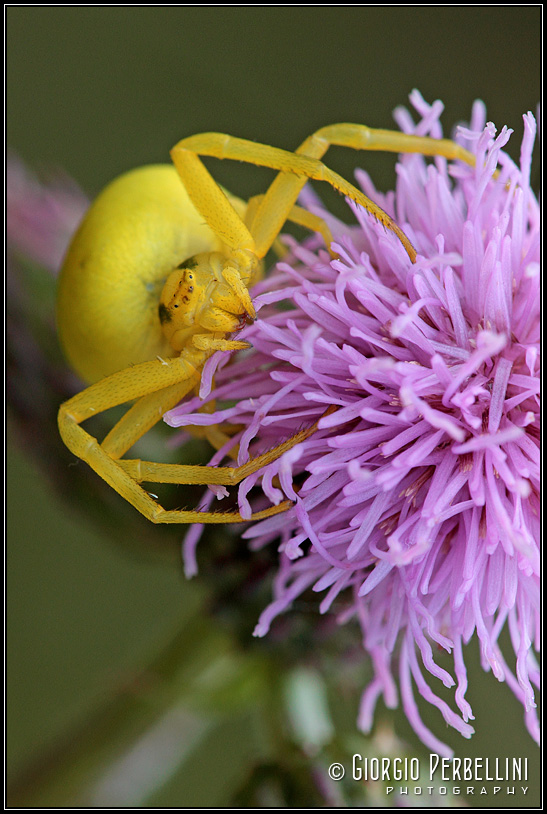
(158, 276)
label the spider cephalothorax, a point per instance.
(204, 293)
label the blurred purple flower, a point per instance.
(417, 499)
(42, 213)
(41, 217)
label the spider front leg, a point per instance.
(286, 187)
(207, 196)
(296, 168)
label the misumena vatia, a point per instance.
(158, 276)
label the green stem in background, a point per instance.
(149, 725)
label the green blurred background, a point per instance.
(99, 90)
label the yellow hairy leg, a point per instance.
(286, 187)
(296, 168)
(209, 199)
(159, 384)
(151, 472)
(147, 411)
(185, 157)
(166, 382)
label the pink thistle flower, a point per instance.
(417, 499)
